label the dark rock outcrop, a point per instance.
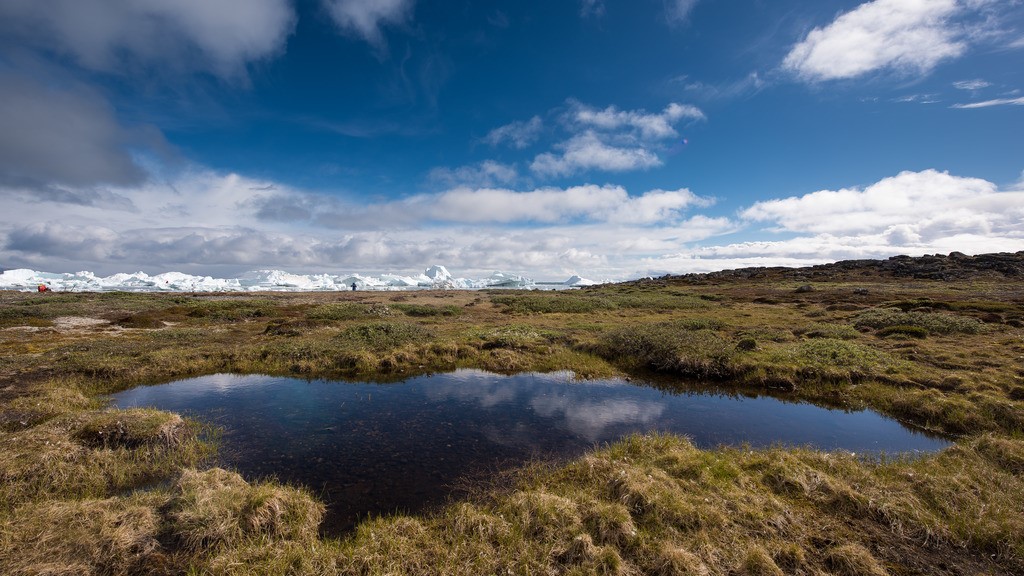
(953, 267)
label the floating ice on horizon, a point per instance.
(434, 277)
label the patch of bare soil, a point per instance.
(66, 323)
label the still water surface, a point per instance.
(379, 448)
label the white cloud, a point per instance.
(822, 249)
(908, 197)
(645, 126)
(989, 103)
(542, 205)
(908, 36)
(911, 213)
(611, 204)
(918, 98)
(365, 18)
(206, 222)
(219, 36)
(976, 84)
(657, 206)
(678, 10)
(587, 151)
(607, 139)
(485, 174)
(495, 206)
(211, 223)
(612, 140)
(518, 134)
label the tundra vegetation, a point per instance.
(86, 489)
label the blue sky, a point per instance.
(604, 138)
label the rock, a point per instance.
(804, 289)
(954, 267)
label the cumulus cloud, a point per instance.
(611, 139)
(366, 18)
(207, 222)
(502, 206)
(588, 151)
(990, 103)
(518, 134)
(820, 249)
(905, 198)
(657, 206)
(910, 213)
(907, 36)
(645, 126)
(218, 36)
(592, 203)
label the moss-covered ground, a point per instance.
(89, 490)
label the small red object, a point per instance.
(44, 288)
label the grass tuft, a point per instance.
(853, 560)
(218, 508)
(131, 428)
(109, 536)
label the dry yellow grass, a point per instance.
(646, 505)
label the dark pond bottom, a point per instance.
(371, 449)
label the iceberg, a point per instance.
(435, 277)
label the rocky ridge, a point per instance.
(950, 267)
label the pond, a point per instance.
(372, 449)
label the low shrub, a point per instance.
(933, 322)
(671, 347)
(901, 330)
(552, 302)
(660, 300)
(513, 337)
(230, 310)
(338, 311)
(427, 310)
(830, 358)
(825, 330)
(383, 335)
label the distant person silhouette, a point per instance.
(353, 286)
